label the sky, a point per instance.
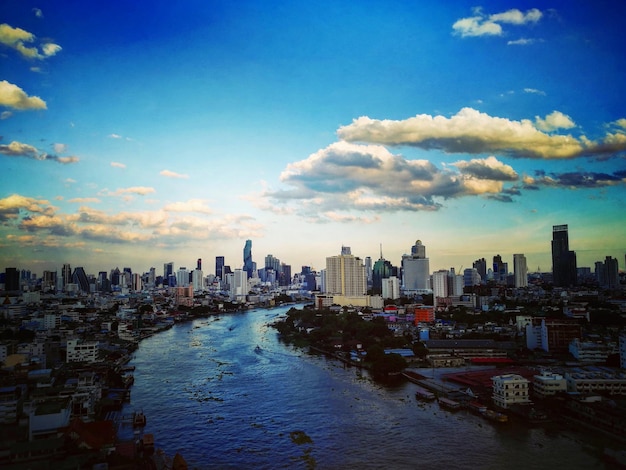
(138, 133)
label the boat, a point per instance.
(477, 407)
(449, 404)
(495, 416)
(423, 394)
(139, 419)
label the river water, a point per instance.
(210, 394)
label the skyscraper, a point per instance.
(521, 270)
(248, 266)
(416, 270)
(382, 270)
(168, 270)
(219, 267)
(199, 264)
(563, 260)
(345, 274)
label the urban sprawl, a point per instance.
(552, 345)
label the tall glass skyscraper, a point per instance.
(219, 267)
(248, 266)
(563, 260)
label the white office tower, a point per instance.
(440, 284)
(182, 277)
(521, 270)
(197, 277)
(345, 275)
(416, 270)
(391, 288)
(238, 282)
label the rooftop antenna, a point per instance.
(381, 251)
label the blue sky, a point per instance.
(136, 134)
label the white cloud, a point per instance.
(140, 190)
(17, 39)
(472, 132)
(491, 25)
(14, 97)
(118, 165)
(172, 174)
(192, 205)
(553, 121)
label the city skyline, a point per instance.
(176, 132)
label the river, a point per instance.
(212, 395)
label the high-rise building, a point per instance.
(500, 269)
(563, 260)
(182, 277)
(481, 266)
(168, 270)
(391, 288)
(440, 285)
(382, 270)
(219, 267)
(368, 271)
(345, 275)
(415, 270)
(197, 277)
(66, 274)
(12, 279)
(238, 282)
(248, 266)
(471, 277)
(79, 277)
(521, 270)
(199, 264)
(607, 273)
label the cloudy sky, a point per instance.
(136, 133)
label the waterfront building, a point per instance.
(184, 295)
(416, 270)
(509, 390)
(563, 260)
(548, 383)
(521, 270)
(238, 284)
(596, 380)
(81, 351)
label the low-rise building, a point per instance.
(596, 380)
(509, 390)
(547, 384)
(590, 351)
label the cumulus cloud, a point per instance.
(118, 165)
(553, 121)
(472, 132)
(481, 24)
(347, 177)
(21, 41)
(172, 174)
(12, 96)
(489, 168)
(44, 225)
(84, 200)
(59, 148)
(14, 205)
(19, 149)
